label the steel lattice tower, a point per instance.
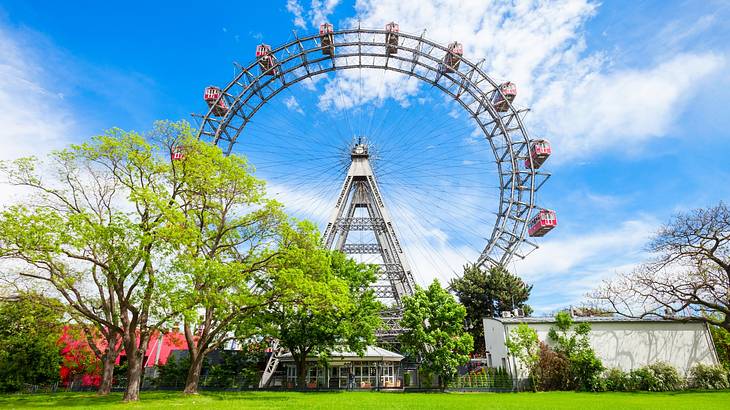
(360, 207)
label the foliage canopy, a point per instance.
(487, 293)
(435, 323)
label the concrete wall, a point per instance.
(494, 338)
(624, 344)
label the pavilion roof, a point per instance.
(372, 353)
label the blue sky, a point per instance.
(633, 95)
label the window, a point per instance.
(387, 374)
(365, 372)
(489, 359)
(291, 375)
(339, 376)
(312, 374)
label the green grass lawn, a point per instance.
(379, 401)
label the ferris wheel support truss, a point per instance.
(418, 57)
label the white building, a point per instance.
(619, 342)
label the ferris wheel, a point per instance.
(454, 161)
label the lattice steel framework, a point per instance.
(360, 192)
(416, 56)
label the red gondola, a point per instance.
(267, 61)
(327, 38)
(539, 152)
(210, 96)
(509, 90)
(542, 223)
(452, 58)
(391, 37)
(177, 154)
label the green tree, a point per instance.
(524, 345)
(572, 341)
(721, 338)
(330, 305)
(487, 293)
(229, 229)
(435, 323)
(30, 327)
(100, 230)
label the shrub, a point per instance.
(524, 345)
(586, 368)
(29, 330)
(234, 369)
(617, 380)
(656, 377)
(503, 379)
(571, 340)
(721, 338)
(426, 379)
(553, 370)
(708, 377)
(173, 373)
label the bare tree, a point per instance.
(689, 273)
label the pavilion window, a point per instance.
(387, 374)
(291, 375)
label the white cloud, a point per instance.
(34, 118)
(558, 256)
(293, 105)
(33, 114)
(318, 12)
(351, 88)
(303, 203)
(295, 8)
(310, 83)
(568, 267)
(321, 10)
(516, 39)
(590, 111)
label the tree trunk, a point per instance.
(134, 374)
(196, 365)
(302, 372)
(107, 372)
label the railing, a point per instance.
(490, 380)
(485, 379)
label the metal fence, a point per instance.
(476, 381)
(487, 381)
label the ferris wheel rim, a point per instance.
(517, 185)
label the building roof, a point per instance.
(592, 319)
(372, 353)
